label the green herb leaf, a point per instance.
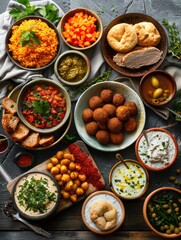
(42, 107)
(29, 38)
(24, 2)
(50, 12)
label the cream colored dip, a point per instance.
(51, 187)
(161, 149)
(129, 183)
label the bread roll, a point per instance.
(103, 215)
(147, 34)
(122, 37)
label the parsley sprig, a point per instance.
(42, 107)
(29, 38)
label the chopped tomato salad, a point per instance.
(44, 106)
(81, 30)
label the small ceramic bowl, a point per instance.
(24, 160)
(109, 198)
(162, 151)
(3, 143)
(97, 26)
(48, 108)
(156, 205)
(23, 197)
(129, 182)
(33, 68)
(157, 88)
(72, 67)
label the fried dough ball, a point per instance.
(118, 99)
(95, 102)
(123, 113)
(110, 109)
(102, 137)
(116, 138)
(102, 125)
(87, 115)
(92, 128)
(100, 115)
(115, 125)
(106, 95)
(130, 125)
(132, 108)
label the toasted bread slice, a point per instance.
(32, 140)
(21, 132)
(9, 105)
(10, 122)
(46, 140)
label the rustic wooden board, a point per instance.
(42, 168)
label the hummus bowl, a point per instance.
(36, 195)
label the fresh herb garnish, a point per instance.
(29, 38)
(49, 11)
(42, 107)
(175, 41)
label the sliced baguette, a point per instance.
(9, 105)
(32, 140)
(10, 122)
(21, 132)
(46, 140)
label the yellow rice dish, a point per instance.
(34, 56)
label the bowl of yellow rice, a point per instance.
(33, 43)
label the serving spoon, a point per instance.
(120, 158)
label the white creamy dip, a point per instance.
(50, 186)
(161, 149)
(129, 183)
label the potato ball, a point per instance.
(110, 109)
(130, 125)
(114, 125)
(132, 108)
(122, 113)
(92, 128)
(95, 102)
(116, 138)
(102, 136)
(118, 99)
(100, 115)
(87, 115)
(106, 95)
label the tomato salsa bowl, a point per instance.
(43, 105)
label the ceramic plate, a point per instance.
(133, 18)
(116, 87)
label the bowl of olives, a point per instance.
(162, 212)
(157, 88)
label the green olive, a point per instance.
(172, 178)
(176, 230)
(155, 82)
(158, 93)
(165, 206)
(169, 211)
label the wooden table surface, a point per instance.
(69, 224)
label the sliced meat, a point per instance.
(46, 140)
(9, 122)
(32, 140)
(9, 105)
(21, 132)
(138, 58)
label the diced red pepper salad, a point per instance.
(44, 106)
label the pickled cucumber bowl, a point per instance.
(157, 88)
(129, 182)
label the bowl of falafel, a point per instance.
(109, 116)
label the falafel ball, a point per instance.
(106, 95)
(102, 137)
(116, 138)
(114, 125)
(102, 125)
(87, 115)
(92, 128)
(95, 102)
(132, 108)
(118, 99)
(110, 109)
(123, 113)
(100, 115)
(130, 125)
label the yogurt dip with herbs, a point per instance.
(35, 194)
(161, 149)
(129, 183)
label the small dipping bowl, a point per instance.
(128, 183)
(24, 160)
(3, 143)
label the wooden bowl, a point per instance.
(68, 15)
(158, 136)
(110, 198)
(133, 18)
(157, 88)
(149, 200)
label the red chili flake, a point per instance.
(87, 166)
